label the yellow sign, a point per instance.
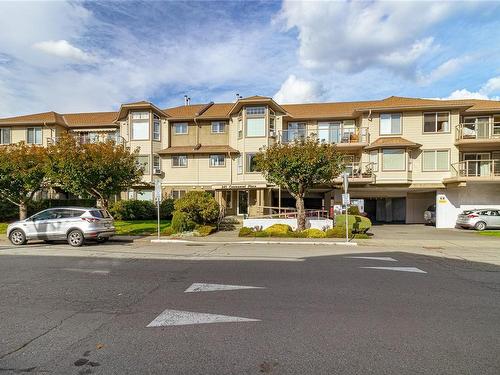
(442, 199)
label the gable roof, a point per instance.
(90, 119)
(392, 142)
(35, 119)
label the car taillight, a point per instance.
(472, 216)
(91, 219)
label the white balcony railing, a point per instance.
(359, 169)
(489, 168)
(333, 134)
(478, 130)
(84, 138)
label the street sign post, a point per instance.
(346, 200)
(158, 201)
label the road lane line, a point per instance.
(180, 318)
(100, 272)
(387, 259)
(202, 287)
(400, 269)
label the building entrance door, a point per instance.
(242, 202)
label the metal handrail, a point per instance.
(119, 140)
(477, 168)
(332, 134)
(478, 130)
(359, 169)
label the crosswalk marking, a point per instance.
(400, 269)
(180, 318)
(202, 287)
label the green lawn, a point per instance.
(491, 233)
(127, 228)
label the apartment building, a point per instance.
(402, 154)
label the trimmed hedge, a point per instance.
(357, 223)
(133, 210)
(181, 222)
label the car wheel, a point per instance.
(102, 239)
(480, 225)
(75, 238)
(17, 237)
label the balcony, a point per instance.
(86, 138)
(359, 173)
(478, 133)
(343, 137)
(486, 170)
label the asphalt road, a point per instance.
(61, 315)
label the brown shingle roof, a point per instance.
(325, 110)
(184, 111)
(219, 110)
(36, 118)
(399, 102)
(198, 150)
(392, 142)
(90, 119)
(479, 105)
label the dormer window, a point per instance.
(140, 126)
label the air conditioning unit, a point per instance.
(156, 171)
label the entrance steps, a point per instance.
(229, 223)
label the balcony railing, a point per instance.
(327, 134)
(92, 138)
(479, 130)
(359, 169)
(488, 168)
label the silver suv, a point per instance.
(74, 224)
(480, 219)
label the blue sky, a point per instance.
(89, 56)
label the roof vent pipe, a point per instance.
(185, 100)
(189, 101)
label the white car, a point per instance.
(74, 224)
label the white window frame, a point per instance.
(435, 169)
(35, 129)
(375, 163)
(215, 160)
(156, 128)
(183, 124)
(2, 136)
(239, 165)
(139, 118)
(390, 117)
(156, 161)
(247, 162)
(179, 158)
(255, 110)
(436, 123)
(218, 127)
(261, 134)
(177, 194)
(240, 128)
(404, 162)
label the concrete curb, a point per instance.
(161, 240)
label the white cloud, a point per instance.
(354, 36)
(295, 90)
(62, 48)
(447, 68)
(486, 91)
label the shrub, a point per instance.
(314, 233)
(133, 210)
(200, 207)
(362, 236)
(278, 230)
(261, 233)
(206, 230)
(167, 208)
(336, 232)
(353, 210)
(357, 224)
(168, 231)
(245, 232)
(181, 222)
(8, 211)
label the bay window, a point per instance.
(251, 164)
(438, 122)
(156, 128)
(390, 123)
(140, 126)
(256, 127)
(393, 159)
(256, 111)
(374, 160)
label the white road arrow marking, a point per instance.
(387, 259)
(401, 269)
(200, 287)
(181, 318)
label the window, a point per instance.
(251, 165)
(437, 122)
(256, 111)
(393, 159)
(217, 160)
(374, 160)
(4, 136)
(145, 195)
(229, 200)
(218, 127)
(34, 136)
(156, 128)
(240, 165)
(272, 127)
(143, 162)
(390, 123)
(140, 126)
(240, 128)
(181, 128)
(156, 162)
(176, 194)
(256, 127)
(179, 161)
(435, 160)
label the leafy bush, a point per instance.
(181, 222)
(8, 211)
(314, 233)
(133, 210)
(206, 230)
(357, 223)
(353, 210)
(336, 232)
(168, 231)
(167, 208)
(200, 206)
(261, 233)
(245, 232)
(278, 230)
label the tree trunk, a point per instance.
(301, 213)
(23, 211)
(102, 203)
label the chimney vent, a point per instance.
(185, 100)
